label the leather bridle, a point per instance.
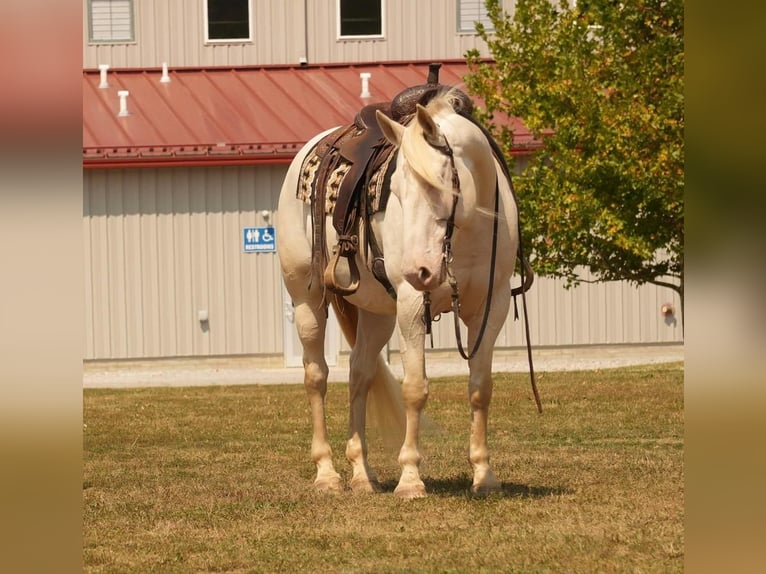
(446, 149)
(447, 259)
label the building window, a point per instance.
(360, 18)
(110, 20)
(227, 20)
(469, 12)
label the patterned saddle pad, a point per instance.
(377, 187)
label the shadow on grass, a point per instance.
(460, 486)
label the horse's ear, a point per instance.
(431, 131)
(393, 130)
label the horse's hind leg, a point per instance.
(377, 330)
(311, 320)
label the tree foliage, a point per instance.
(602, 84)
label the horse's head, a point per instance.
(434, 181)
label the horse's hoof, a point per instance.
(485, 482)
(410, 491)
(487, 488)
(329, 484)
(364, 485)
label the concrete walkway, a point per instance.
(248, 370)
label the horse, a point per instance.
(449, 241)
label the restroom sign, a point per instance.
(259, 239)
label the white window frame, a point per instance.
(130, 40)
(362, 37)
(482, 8)
(249, 38)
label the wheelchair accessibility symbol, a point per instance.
(259, 239)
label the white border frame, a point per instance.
(93, 42)
(380, 36)
(206, 32)
(458, 18)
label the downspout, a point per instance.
(306, 29)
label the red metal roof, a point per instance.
(243, 115)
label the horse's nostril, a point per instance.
(424, 274)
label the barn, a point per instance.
(188, 128)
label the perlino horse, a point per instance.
(449, 232)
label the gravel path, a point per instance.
(235, 371)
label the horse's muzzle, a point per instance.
(425, 279)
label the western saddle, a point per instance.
(363, 153)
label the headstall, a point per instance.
(447, 258)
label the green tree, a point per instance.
(601, 84)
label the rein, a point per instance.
(448, 258)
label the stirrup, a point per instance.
(330, 274)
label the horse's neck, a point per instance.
(485, 182)
(481, 163)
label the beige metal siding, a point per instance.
(161, 245)
(590, 314)
(603, 313)
(172, 31)
(414, 30)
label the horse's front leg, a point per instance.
(373, 332)
(414, 393)
(480, 393)
(310, 320)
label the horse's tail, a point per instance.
(385, 405)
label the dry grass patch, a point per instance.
(218, 479)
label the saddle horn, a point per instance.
(404, 103)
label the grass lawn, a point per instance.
(218, 479)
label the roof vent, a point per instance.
(104, 68)
(165, 79)
(123, 103)
(365, 76)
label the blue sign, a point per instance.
(259, 239)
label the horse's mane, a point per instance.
(415, 148)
